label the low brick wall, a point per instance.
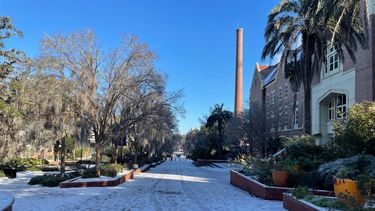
(292, 204)
(115, 182)
(264, 191)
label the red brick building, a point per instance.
(339, 85)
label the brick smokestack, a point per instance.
(239, 59)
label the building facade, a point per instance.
(271, 102)
(335, 88)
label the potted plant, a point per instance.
(281, 172)
(346, 187)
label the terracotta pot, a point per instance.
(280, 178)
(347, 189)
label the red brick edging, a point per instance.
(292, 204)
(264, 191)
(114, 182)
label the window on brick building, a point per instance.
(337, 107)
(332, 62)
(296, 118)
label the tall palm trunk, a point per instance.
(308, 42)
(294, 111)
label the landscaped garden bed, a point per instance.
(264, 191)
(102, 181)
(293, 204)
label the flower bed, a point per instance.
(264, 191)
(98, 182)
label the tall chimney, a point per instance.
(239, 59)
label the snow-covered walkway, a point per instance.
(174, 185)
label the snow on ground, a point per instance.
(174, 185)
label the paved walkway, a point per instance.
(179, 185)
(174, 185)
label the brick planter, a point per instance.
(264, 191)
(116, 181)
(6, 202)
(292, 204)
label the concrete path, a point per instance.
(173, 185)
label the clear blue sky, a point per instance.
(194, 39)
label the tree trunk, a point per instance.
(308, 43)
(97, 159)
(115, 154)
(307, 111)
(63, 152)
(294, 112)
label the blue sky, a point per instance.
(194, 39)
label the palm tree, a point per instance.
(293, 72)
(218, 119)
(317, 23)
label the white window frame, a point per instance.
(337, 106)
(332, 64)
(296, 118)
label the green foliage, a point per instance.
(35, 180)
(259, 169)
(301, 140)
(89, 173)
(2, 174)
(51, 180)
(322, 201)
(22, 163)
(111, 170)
(70, 145)
(33, 168)
(284, 165)
(309, 179)
(301, 192)
(86, 152)
(356, 133)
(49, 168)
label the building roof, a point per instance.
(267, 73)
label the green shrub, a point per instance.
(309, 179)
(322, 201)
(111, 170)
(302, 140)
(49, 168)
(355, 134)
(25, 162)
(32, 168)
(89, 173)
(51, 180)
(35, 180)
(2, 174)
(301, 192)
(259, 169)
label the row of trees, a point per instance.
(219, 136)
(75, 87)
